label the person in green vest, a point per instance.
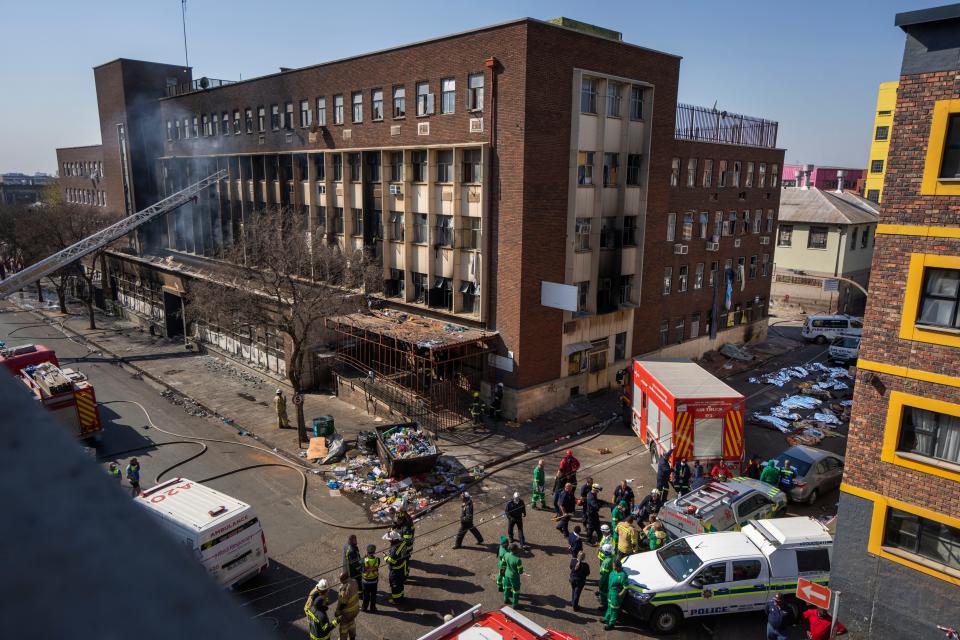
(619, 513)
(616, 590)
(539, 480)
(770, 474)
(605, 538)
(606, 566)
(502, 551)
(512, 570)
(656, 536)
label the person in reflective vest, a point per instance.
(681, 477)
(396, 560)
(606, 538)
(370, 578)
(351, 560)
(114, 472)
(656, 536)
(618, 514)
(616, 590)
(539, 479)
(316, 611)
(502, 551)
(280, 405)
(663, 473)
(133, 476)
(512, 570)
(476, 409)
(348, 607)
(787, 475)
(606, 566)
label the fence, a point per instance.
(710, 125)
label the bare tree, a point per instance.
(278, 279)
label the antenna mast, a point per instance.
(183, 13)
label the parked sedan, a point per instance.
(818, 472)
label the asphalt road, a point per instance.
(443, 581)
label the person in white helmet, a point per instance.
(606, 566)
(280, 404)
(606, 539)
(515, 511)
(316, 610)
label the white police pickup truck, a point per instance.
(726, 572)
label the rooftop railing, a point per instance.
(200, 84)
(711, 125)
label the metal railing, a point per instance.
(200, 84)
(711, 125)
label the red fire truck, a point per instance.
(681, 406)
(504, 624)
(65, 392)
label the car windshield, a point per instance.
(802, 466)
(847, 342)
(679, 560)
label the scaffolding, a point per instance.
(425, 369)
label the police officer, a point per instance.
(579, 570)
(516, 511)
(370, 579)
(352, 565)
(133, 476)
(681, 477)
(396, 560)
(591, 513)
(466, 522)
(624, 493)
(316, 611)
(566, 504)
(787, 475)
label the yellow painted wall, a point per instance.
(883, 117)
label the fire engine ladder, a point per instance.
(104, 237)
(705, 498)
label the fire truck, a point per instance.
(64, 392)
(504, 624)
(681, 406)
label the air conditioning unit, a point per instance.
(713, 246)
(736, 243)
(396, 190)
(423, 128)
(764, 239)
(680, 249)
(476, 125)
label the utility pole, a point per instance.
(183, 14)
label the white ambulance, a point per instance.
(224, 533)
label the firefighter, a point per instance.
(476, 409)
(133, 476)
(496, 405)
(681, 477)
(348, 607)
(466, 522)
(512, 570)
(663, 474)
(606, 566)
(316, 610)
(502, 551)
(650, 505)
(395, 561)
(352, 564)
(370, 579)
(405, 528)
(539, 480)
(280, 404)
(568, 469)
(616, 590)
(516, 511)
(626, 537)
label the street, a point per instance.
(443, 581)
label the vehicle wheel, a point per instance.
(813, 496)
(666, 619)
(793, 607)
(821, 340)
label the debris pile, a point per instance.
(216, 365)
(188, 404)
(404, 442)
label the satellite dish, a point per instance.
(204, 82)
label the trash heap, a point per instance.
(366, 479)
(819, 408)
(403, 442)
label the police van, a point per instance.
(727, 572)
(224, 534)
(823, 329)
(721, 506)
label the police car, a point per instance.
(727, 572)
(721, 506)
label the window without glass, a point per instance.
(664, 333)
(475, 92)
(687, 228)
(682, 276)
(745, 227)
(376, 104)
(176, 129)
(424, 99)
(318, 167)
(769, 220)
(396, 166)
(337, 161)
(753, 267)
(927, 538)
(853, 238)
(736, 173)
(338, 109)
(614, 91)
(225, 122)
(730, 225)
(698, 276)
(205, 121)
(420, 228)
(582, 234)
(444, 231)
(626, 289)
(675, 172)
(763, 264)
(785, 236)
(611, 169)
(691, 172)
(196, 127)
(471, 166)
(636, 103)
(633, 169)
(275, 117)
(864, 238)
(306, 116)
(714, 271)
(396, 226)
(288, 118)
(399, 102)
(671, 227)
(321, 111)
(419, 287)
(471, 296)
(749, 177)
(707, 173)
(950, 165)
(723, 178)
(817, 238)
(236, 122)
(336, 222)
(448, 95)
(169, 130)
(419, 160)
(608, 233)
(704, 224)
(629, 231)
(739, 274)
(588, 95)
(373, 167)
(583, 296)
(667, 280)
(757, 220)
(882, 133)
(445, 166)
(356, 100)
(940, 298)
(353, 159)
(695, 327)
(585, 168)
(678, 330)
(774, 175)
(762, 175)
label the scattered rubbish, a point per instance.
(216, 365)
(846, 403)
(335, 493)
(735, 352)
(603, 451)
(228, 420)
(827, 418)
(188, 404)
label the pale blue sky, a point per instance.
(813, 66)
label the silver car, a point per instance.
(817, 472)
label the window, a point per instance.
(722, 180)
(633, 169)
(583, 296)
(196, 128)
(930, 434)
(753, 267)
(475, 92)
(186, 128)
(950, 165)
(337, 161)
(876, 166)
(445, 166)
(864, 237)
(927, 538)
(420, 228)
(882, 133)
(762, 175)
(940, 298)
(396, 166)
(287, 120)
(636, 103)
(613, 98)
(741, 263)
(225, 123)
(248, 119)
(745, 569)
(588, 95)
(626, 289)
(707, 173)
(817, 238)
(176, 131)
(785, 237)
(275, 117)
(730, 225)
(399, 102)
(678, 328)
(169, 130)
(396, 226)
(444, 231)
(585, 168)
(682, 276)
(873, 195)
(853, 238)
(687, 228)
(736, 173)
(691, 172)
(675, 172)
(471, 166)
(376, 104)
(698, 276)
(608, 233)
(694, 325)
(419, 287)
(471, 296)
(205, 121)
(671, 227)
(236, 122)
(620, 346)
(373, 166)
(664, 333)
(611, 169)
(321, 111)
(353, 160)
(357, 219)
(774, 175)
(576, 363)
(448, 95)
(470, 234)
(714, 269)
(745, 227)
(338, 109)
(395, 285)
(764, 262)
(667, 280)
(336, 223)
(424, 99)
(629, 231)
(306, 116)
(813, 560)
(704, 224)
(582, 234)
(261, 120)
(442, 294)
(419, 160)
(757, 220)
(769, 220)
(748, 182)
(356, 99)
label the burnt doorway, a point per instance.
(173, 313)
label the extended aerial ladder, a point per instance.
(104, 237)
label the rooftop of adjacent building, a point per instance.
(798, 204)
(925, 16)
(25, 179)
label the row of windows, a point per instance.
(613, 103)
(611, 169)
(467, 236)
(698, 323)
(594, 359)
(608, 296)
(440, 295)
(694, 225)
(727, 175)
(611, 236)
(86, 196)
(817, 237)
(83, 169)
(683, 273)
(283, 117)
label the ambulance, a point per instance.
(224, 534)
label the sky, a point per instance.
(814, 67)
